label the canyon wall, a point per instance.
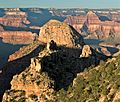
(13, 21)
(92, 23)
(17, 37)
(16, 34)
(76, 21)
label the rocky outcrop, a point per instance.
(51, 46)
(35, 65)
(15, 12)
(23, 51)
(14, 17)
(34, 84)
(48, 72)
(91, 21)
(115, 16)
(61, 33)
(30, 86)
(86, 51)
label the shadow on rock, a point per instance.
(63, 65)
(15, 67)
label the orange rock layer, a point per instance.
(13, 21)
(93, 23)
(17, 35)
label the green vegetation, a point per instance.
(92, 84)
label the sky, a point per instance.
(61, 3)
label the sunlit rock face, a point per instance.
(107, 26)
(91, 23)
(17, 37)
(14, 17)
(76, 21)
(13, 21)
(61, 33)
(86, 51)
(90, 20)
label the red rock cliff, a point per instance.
(93, 23)
(76, 21)
(14, 21)
(16, 35)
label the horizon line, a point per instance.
(61, 7)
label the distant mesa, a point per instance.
(61, 33)
(17, 37)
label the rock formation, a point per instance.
(35, 65)
(52, 73)
(17, 34)
(23, 51)
(76, 21)
(47, 73)
(17, 37)
(12, 21)
(107, 26)
(30, 86)
(86, 51)
(91, 24)
(52, 45)
(49, 70)
(61, 33)
(14, 17)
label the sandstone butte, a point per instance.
(92, 23)
(61, 33)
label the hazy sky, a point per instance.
(61, 3)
